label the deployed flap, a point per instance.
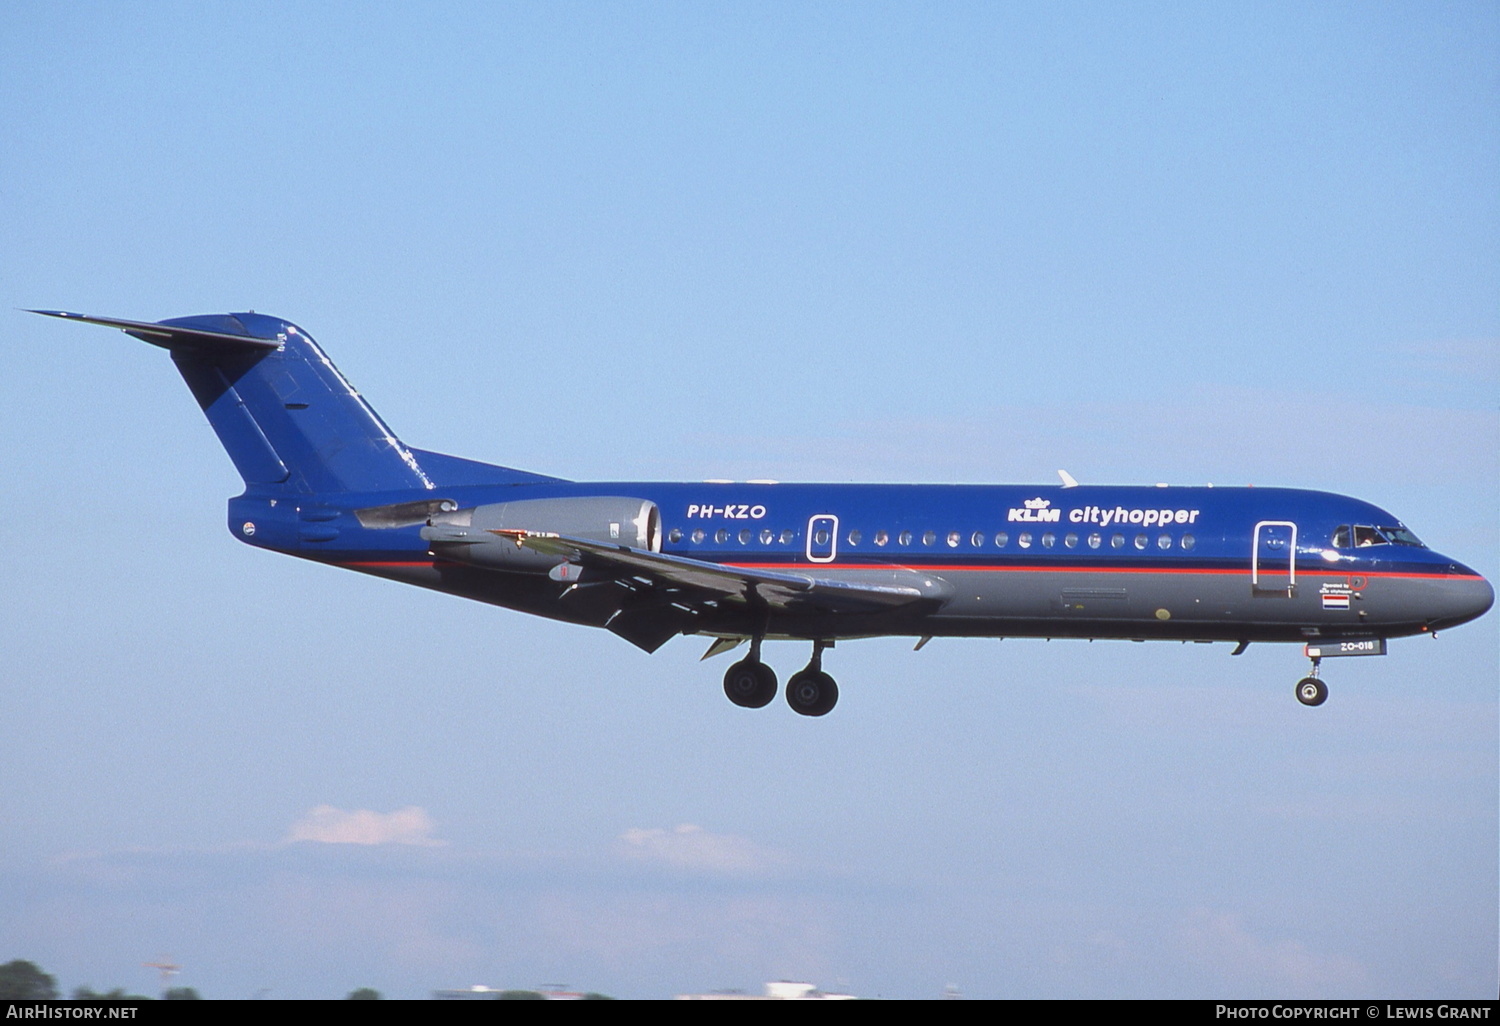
(778, 590)
(173, 336)
(647, 629)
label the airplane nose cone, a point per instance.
(1466, 596)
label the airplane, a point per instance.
(327, 480)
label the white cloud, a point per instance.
(328, 825)
(692, 847)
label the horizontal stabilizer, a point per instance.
(172, 336)
(290, 420)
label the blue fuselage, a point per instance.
(1005, 560)
(327, 480)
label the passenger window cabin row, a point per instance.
(953, 539)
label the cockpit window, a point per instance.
(1399, 535)
(1362, 536)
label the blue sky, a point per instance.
(950, 242)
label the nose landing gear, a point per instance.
(1311, 690)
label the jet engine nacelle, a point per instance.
(467, 535)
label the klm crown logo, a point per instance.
(1035, 511)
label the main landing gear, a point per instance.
(812, 692)
(1311, 690)
(751, 684)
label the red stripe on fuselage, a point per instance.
(938, 568)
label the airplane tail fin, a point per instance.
(282, 410)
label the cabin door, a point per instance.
(1273, 559)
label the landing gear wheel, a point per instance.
(750, 684)
(811, 693)
(1311, 691)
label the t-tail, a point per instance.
(286, 416)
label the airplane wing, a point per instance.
(720, 582)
